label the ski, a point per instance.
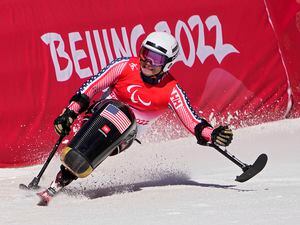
(46, 196)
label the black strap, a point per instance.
(82, 99)
(198, 132)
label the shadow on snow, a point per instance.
(164, 180)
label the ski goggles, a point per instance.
(155, 59)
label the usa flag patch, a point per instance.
(117, 117)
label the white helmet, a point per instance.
(163, 44)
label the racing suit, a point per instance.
(122, 80)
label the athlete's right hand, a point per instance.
(64, 121)
(222, 136)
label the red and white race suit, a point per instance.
(147, 101)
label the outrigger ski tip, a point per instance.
(251, 170)
(33, 185)
(25, 187)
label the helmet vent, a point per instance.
(175, 49)
(156, 46)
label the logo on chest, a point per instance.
(135, 97)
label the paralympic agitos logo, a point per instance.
(96, 50)
(135, 98)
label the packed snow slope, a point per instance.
(175, 183)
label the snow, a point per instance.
(175, 182)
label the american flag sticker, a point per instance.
(117, 117)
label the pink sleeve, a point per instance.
(104, 79)
(206, 133)
(180, 103)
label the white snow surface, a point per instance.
(176, 182)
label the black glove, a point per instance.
(64, 121)
(222, 136)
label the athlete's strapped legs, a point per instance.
(109, 129)
(125, 144)
(111, 126)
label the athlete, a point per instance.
(144, 85)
